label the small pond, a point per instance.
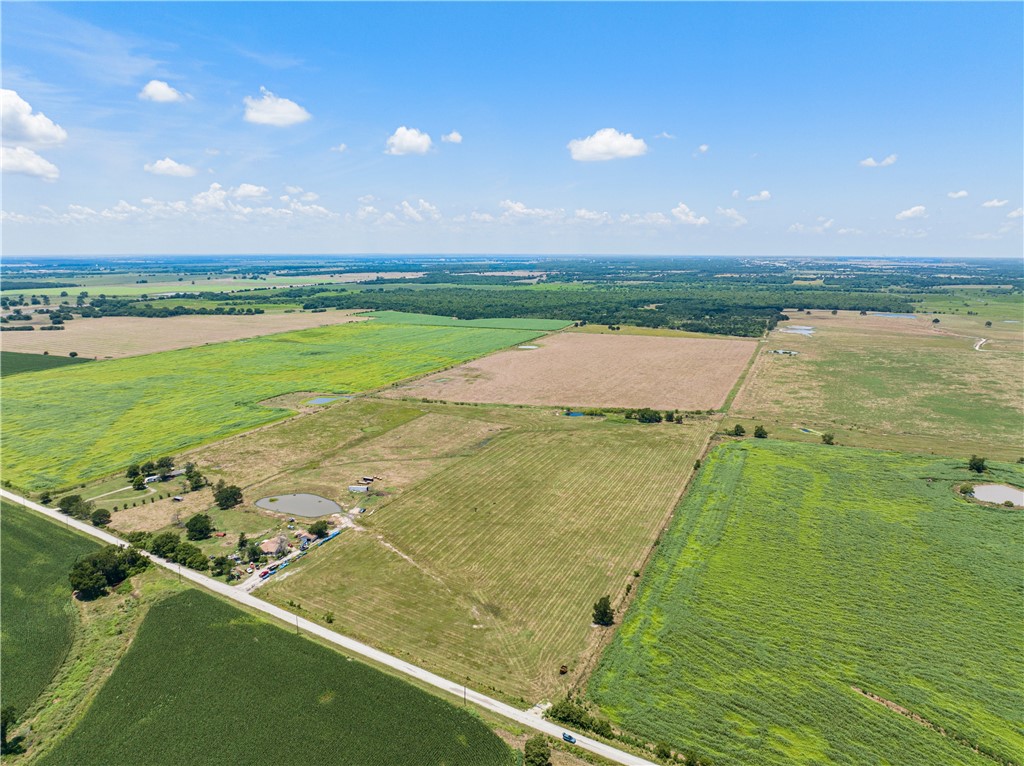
(798, 329)
(323, 400)
(999, 493)
(574, 414)
(301, 504)
(893, 316)
(527, 348)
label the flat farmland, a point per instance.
(487, 569)
(115, 337)
(584, 370)
(795, 575)
(137, 408)
(203, 681)
(892, 383)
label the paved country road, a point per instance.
(350, 645)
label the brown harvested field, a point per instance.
(580, 370)
(113, 337)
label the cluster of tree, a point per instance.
(760, 432)
(575, 715)
(142, 307)
(79, 508)
(537, 751)
(93, 574)
(227, 495)
(169, 545)
(199, 527)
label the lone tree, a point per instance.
(199, 527)
(828, 438)
(100, 517)
(738, 430)
(318, 528)
(603, 614)
(537, 752)
(8, 717)
(227, 495)
(760, 432)
(243, 541)
(139, 483)
(133, 471)
(976, 464)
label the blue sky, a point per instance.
(724, 128)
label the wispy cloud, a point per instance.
(871, 162)
(731, 213)
(762, 196)
(995, 203)
(917, 211)
(957, 194)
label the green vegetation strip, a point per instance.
(401, 317)
(36, 612)
(204, 681)
(793, 573)
(13, 362)
(130, 410)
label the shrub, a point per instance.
(976, 464)
(760, 432)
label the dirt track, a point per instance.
(580, 370)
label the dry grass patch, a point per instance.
(576, 369)
(114, 337)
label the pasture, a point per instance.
(402, 317)
(794, 575)
(487, 568)
(892, 383)
(596, 370)
(115, 337)
(133, 409)
(13, 362)
(203, 681)
(37, 614)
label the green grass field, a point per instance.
(13, 362)
(401, 317)
(485, 558)
(127, 410)
(37, 616)
(205, 683)
(792, 574)
(893, 384)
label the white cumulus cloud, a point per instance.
(732, 214)
(703, 148)
(273, 110)
(422, 211)
(158, 90)
(592, 216)
(822, 225)
(250, 191)
(24, 161)
(606, 144)
(452, 138)
(957, 194)
(339, 148)
(683, 214)
(1016, 213)
(917, 211)
(23, 126)
(762, 196)
(408, 141)
(995, 203)
(519, 211)
(871, 162)
(168, 167)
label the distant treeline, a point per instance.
(30, 284)
(746, 311)
(129, 307)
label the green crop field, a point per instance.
(126, 410)
(485, 565)
(37, 617)
(13, 362)
(893, 384)
(794, 573)
(205, 683)
(402, 317)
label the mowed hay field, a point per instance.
(582, 370)
(114, 337)
(795, 574)
(892, 383)
(129, 410)
(487, 569)
(12, 363)
(204, 681)
(38, 617)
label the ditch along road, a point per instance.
(349, 644)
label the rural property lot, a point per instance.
(895, 383)
(113, 337)
(581, 370)
(794, 575)
(488, 567)
(135, 409)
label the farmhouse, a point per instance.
(304, 535)
(269, 547)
